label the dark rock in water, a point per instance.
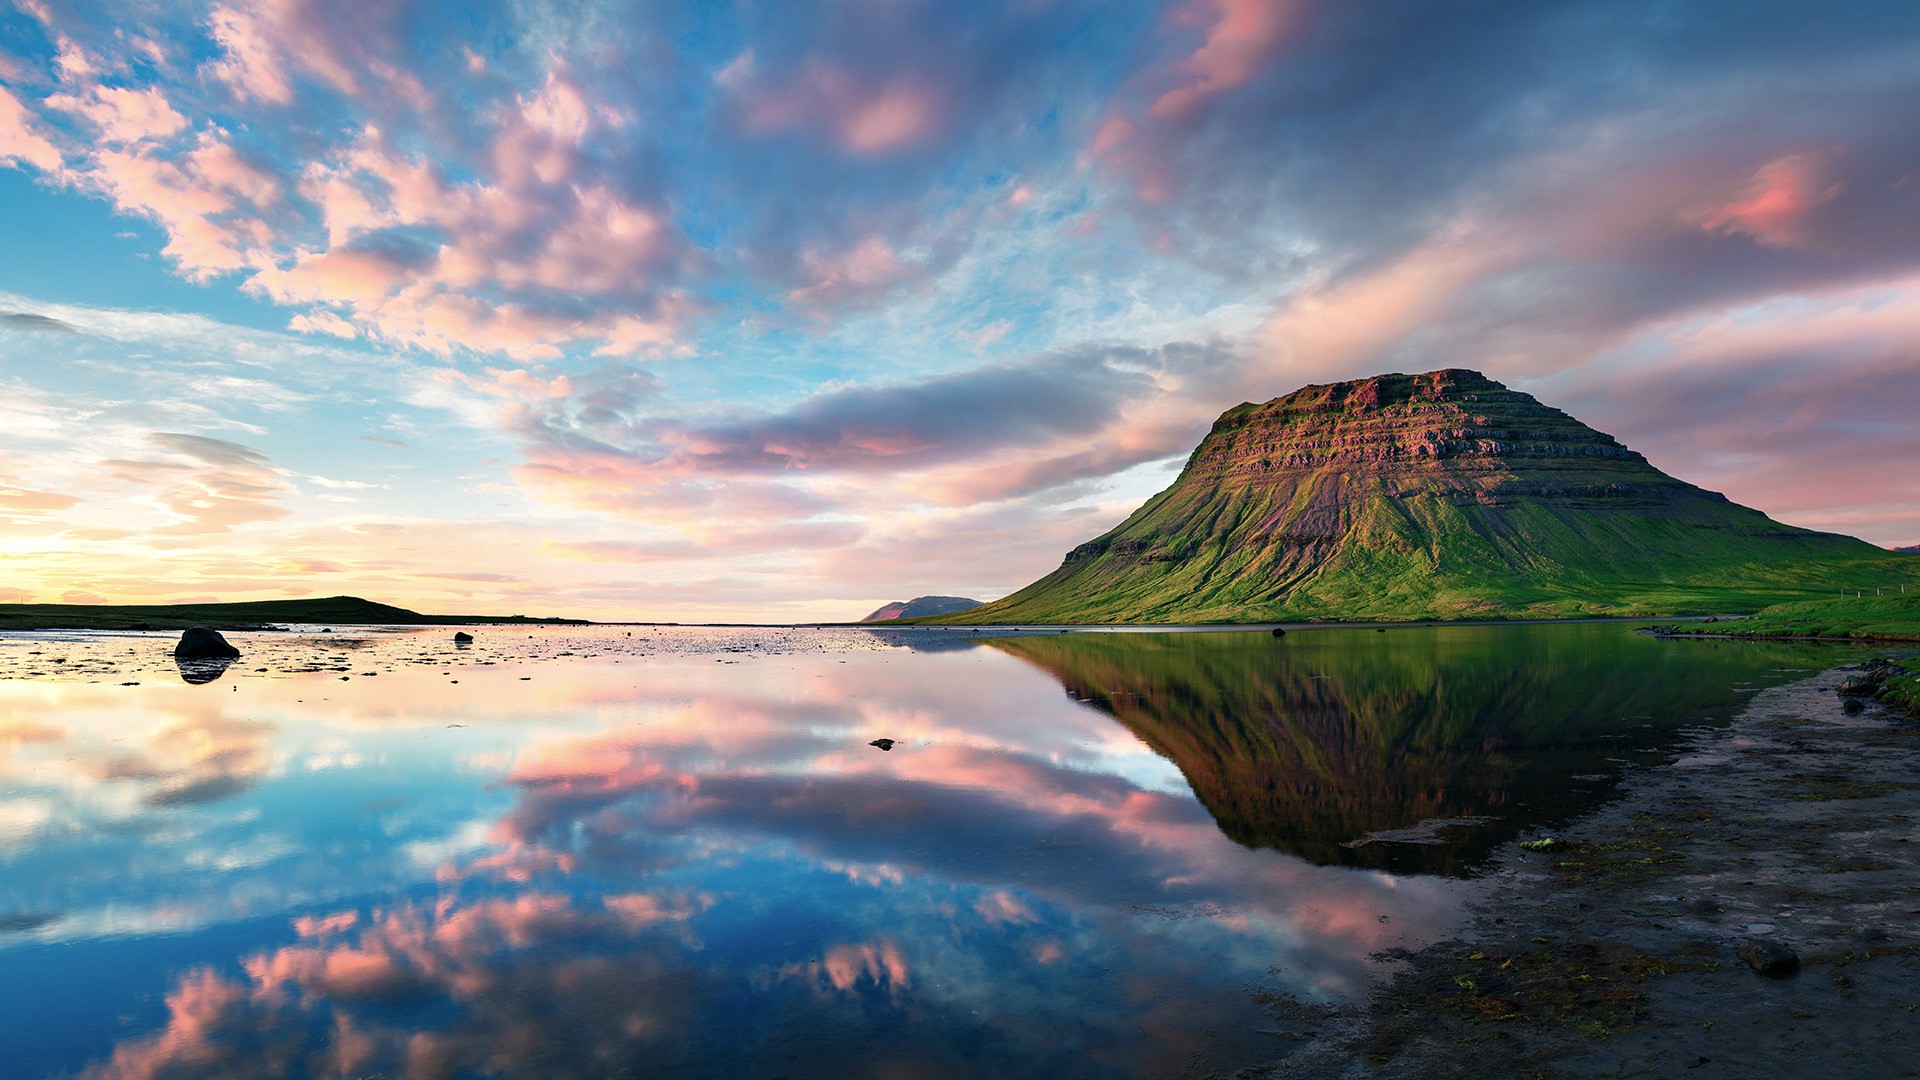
(1858, 686)
(1769, 958)
(884, 744)
(1277, 632)
(198, 642)
(1852, 705)
(462, 638)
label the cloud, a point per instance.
(29, 322)
(220, 486)
(122, 115)
(22, 139)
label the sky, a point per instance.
(765, 312)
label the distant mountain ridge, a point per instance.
(336, 610)
(921, 606)
(1438, 495)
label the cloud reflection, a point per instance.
(670, 863)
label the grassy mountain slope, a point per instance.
(337, 610)
(1434, 496)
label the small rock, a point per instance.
(1769, 958)
(1277, 632)
(198, 642)
(884, 744)
(461, 637)
(1857, 686)
(1852, 705)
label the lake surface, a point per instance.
(656, 851)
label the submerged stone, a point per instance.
(1770, 958)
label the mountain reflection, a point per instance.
(1309, 743)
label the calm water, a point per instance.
(590, 854)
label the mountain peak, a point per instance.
(1434, 495)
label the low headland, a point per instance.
(245, 615)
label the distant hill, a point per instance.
(332, 610)
(1443, 495)
(922, 606)
(1913, 549)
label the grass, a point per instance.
(1904, 691)
(1890, 616)
(332, 610)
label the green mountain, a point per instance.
(921, 605)
(336, 610)
(1443, 495)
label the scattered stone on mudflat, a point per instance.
(461, 637)
(884, 744)
(1769, 958)
(1858, 686)
(198, 642)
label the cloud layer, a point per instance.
(744, 291)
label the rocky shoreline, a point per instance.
(1631, 944)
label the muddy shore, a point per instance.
(1614, 947)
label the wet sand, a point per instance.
(1612, 951)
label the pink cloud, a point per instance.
(22, 139)
(347, 45)
(898, 115)
(1242, 39)
(123, 115)
(1245, 36)
(861, 116)
(869, 268)
(1776, 203)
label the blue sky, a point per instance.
(749, 311)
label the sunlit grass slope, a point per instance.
(1435, 496)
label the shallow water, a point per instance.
(671, 851)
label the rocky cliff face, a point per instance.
(1443, 494)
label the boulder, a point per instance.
(461, 637)
(1769, 958)
(1278, 632)
(1858, 686)
(200, 643)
